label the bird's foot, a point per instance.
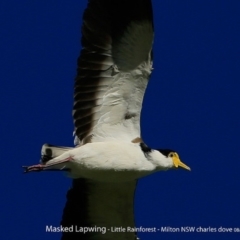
(33, 168)
(50, 166)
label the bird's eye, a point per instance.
(171, 155)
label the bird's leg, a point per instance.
(50, 166)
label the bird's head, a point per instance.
(163, 158)
(174, 158)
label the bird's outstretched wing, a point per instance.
(113, 69)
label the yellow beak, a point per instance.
(177, 163)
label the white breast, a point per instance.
(108, 161)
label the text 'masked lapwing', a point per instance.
(109, 156)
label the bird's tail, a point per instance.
(50, 151)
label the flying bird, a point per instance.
(109, 156)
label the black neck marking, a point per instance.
(145, 148)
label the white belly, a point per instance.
(109, 161)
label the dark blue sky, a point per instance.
(192, 105)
